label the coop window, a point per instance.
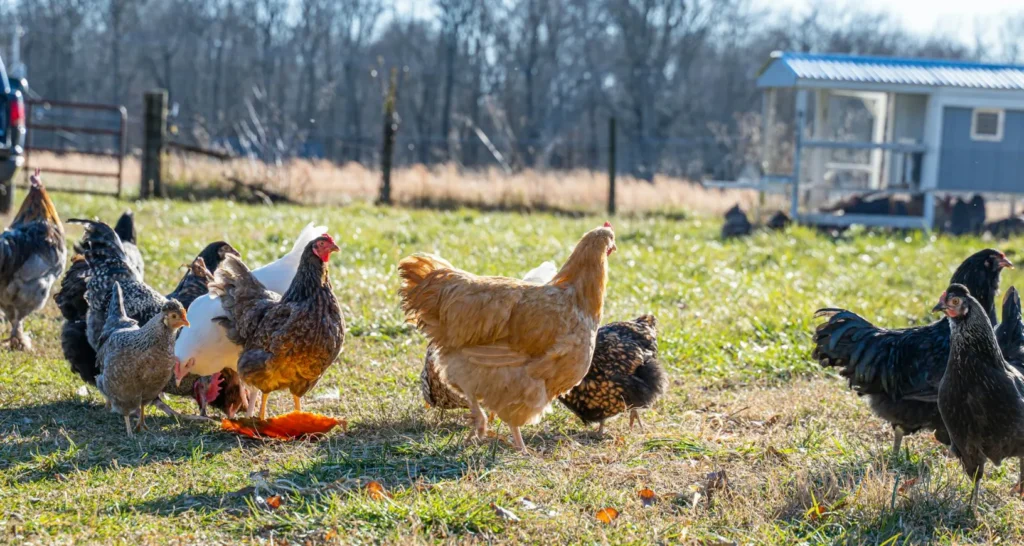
(987, 124)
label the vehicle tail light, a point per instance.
(18, 113)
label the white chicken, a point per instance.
(203, 348)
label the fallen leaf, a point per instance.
(82, 391)
(716, 481)
(815, 512)
(907, 485)
(289, 426)
(648, 498)
(771, 420)
(776, 453)
(274, 502)
(504, 513)
(376, 491)
(607, 515)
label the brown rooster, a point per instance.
(288, 341)
(32, 255)
(508, 345)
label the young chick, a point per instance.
(624, 374)
(981, 396)
(136, 362)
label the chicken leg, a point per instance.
(517, 439)
(634, 415)
(897, 441)
(479, 418)
(263, 407)
(128, 425)
(298, 402)
(142, 419)
(250, 409)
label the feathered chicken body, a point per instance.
(981, 396)
(203, 348)
(440, 395)
(900, 370)
(136, 361)
(508, 345)
(624, 375)
(32, 255)
(1010, 332)
(287, 341)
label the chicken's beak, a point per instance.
(181, 370)
(184, 319)
(335, 248)
(941, 306)
(1005, 262)
(612, 248)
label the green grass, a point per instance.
(805, 460)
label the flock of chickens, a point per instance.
(228, 336)
(960, 376)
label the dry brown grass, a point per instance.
(445, 186)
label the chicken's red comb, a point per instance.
(213, 391)
(329, 238)
(607, 224)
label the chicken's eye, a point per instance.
(955, 302)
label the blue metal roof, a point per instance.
(786, 69)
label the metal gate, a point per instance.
(79, 118)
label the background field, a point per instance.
(803, 458)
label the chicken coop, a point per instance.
(906, 132)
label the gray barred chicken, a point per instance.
(32, 255)
(136, 361)
(624, 375)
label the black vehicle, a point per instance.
(12, 137)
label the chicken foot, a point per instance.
(128, 425)
(897, 442)
(250, 404)
(159, 403)
(517, 439)
(263, 406)
(298, 402)
(141, 425)
(634, 415)
(19, 340)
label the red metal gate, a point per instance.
(118, 152)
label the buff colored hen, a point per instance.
(510, 346)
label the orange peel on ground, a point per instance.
(289, 426)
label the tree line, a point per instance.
(516, 83)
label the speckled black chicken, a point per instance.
(899, 370)
(624, 375)
(70, 299)
(981, 396)
(32, 255)
(1010, 332)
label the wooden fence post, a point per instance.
(611, 166)
(387, 155)
(154, 137)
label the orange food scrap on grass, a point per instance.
(607, 515)
(376, 491)
(284, 427)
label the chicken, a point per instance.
(199, 274)
(222, 390)
(1010, 332)
(440, 395)
(32, 255)
(70, 300)
(981, 396)
(203, 348)
(125, 229)
(136, 361)
(509, 346)
(624, 374)
(899, 370)
(288, 341)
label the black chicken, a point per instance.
(624, 374)
(1010, 332)
(899, 370)
(981, 396)
(70, 299)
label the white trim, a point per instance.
(1000, 120)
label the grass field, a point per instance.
(803, 459)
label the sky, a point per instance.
(955, 18)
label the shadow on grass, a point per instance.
(44, 441)
(825, 505)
